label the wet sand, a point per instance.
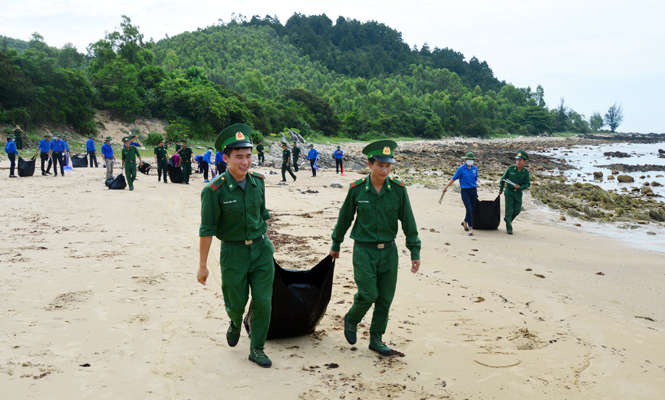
(99, 300)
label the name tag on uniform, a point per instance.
(228, 202)
(363, 201)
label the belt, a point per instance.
(247, 242)
(376, 245)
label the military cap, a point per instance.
(64, 136)
(381, 150)
(47, 135)
(522, 154)
(210, 148)
(470, 156)
(283, 144)
(235, 136)
(183, 141)
(91, 136)
(11, 137)
(125, 139)
(109, 138)
(161, 140)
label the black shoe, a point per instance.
(465, 228)
(283, 180)
(294, 179)
(55, 175)
(43, 173)
(48, 173)
(257, 355)
(350, 331)
(232, 335)
(165, 182)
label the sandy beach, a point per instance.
(99, 300)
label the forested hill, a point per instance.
(10, 43)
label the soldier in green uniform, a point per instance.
(162, 160)
(259, 150)
(185, 161)
(286, 160)
(233, 208)
(19, 137)
(129, 154)
(519, 180)
(379, 202)
(296, 156)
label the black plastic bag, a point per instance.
(144, 168)
(79, 161)
(109, 181)
(299, 300)
(118, 183)
(26, 168)
(175, 174)
(487, 214)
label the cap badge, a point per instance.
(240, 136)
(386, 150)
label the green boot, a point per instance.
(257, 355)
(376, 344)
(232, 335)
(349, 330)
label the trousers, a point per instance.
(109, 167)
(469, 198)
(285, 168)
(513, 207)
(162, 168)
(338, 165)
(56, 156)
(246, 267)
(295, 163)
(92, 156)
(44, 158)
(12, 160)
(186, 171)
(130, 173)
(311, 164)
(221, 167)
(204, 167)
(262, 158)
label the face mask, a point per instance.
(111, 141)
(469, 162)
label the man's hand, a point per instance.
(334, 254)
(202, 275)
(517, 187)
(500, 192)
(415, 266)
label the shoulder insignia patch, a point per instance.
(257, 175)
(395, 181)
(217, 183)
(358, 182)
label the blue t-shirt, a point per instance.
(10, 147)
(107, 150)
(207, 155)
(44, 146)
(468, 178)
(312, 154)
(198, 158)
(219, 157)
(57, 146)
(338, 154)
(66, 145)
(90, 145)
(135, 144)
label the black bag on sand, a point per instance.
(79, 161)
(299, 300)
(487, 214)
(175, 174)
(118, 183)
(26, 168)
(109, 181)
(145, 168)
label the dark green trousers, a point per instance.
(246, 267)
(162, 168)
(513, 204)
(130, 173)
(286, 168)
(375, 273)
(295, 164)
(186, 171)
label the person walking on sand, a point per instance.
(516, 179)
(129, 154)
(259, 151)
(286, 160)
(109, 158)
(43, 149)
(18, 136)
(205, 164)
(92, 152)
(185, 154)
(12, 154)
(467, 174)
(379, 202)
(338, 155)
(162, 161)
(233, 208)
(312, 156)
(296, 155)
(57, 149)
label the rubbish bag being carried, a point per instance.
(299, 300)
(79, 161)
(175, 173)
(109, 181)
(145, 168)
(118, 182)
(26, 168)
(487, 214)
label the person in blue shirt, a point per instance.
(219, 163)
(205, 164)
(43, 149)
(198, 160)
(312, 156)
(12, 153)
(109, 158)
(467, 174)
(134, 141)
(58, 147)
(338, 156)
(92, 152)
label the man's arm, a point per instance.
(501, 182)
(344, 220)
(204, 248)
(410, 230)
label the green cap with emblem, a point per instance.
(381, 150)
(91, 136)
(470, 156)
(235, 136)
(125, 139)
(522, 154)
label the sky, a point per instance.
(592, 53)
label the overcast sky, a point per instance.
(591, 52)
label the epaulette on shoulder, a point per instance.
(358, 182)
(396, 182)
(257, 175)
(217, 183)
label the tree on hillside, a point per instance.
(596, 121)
(614, 117)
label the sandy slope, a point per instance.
(107, 278)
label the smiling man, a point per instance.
(380, 201)
(233, 208)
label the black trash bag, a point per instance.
(118, 183)
(79, 161)
(26, 168)
(109, 181)
(175, 174)
(299, 300)
(171, 162)
(144, 168)
(487, 214)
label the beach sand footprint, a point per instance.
(524, 339)
(67, 301)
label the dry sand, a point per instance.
(99, 300)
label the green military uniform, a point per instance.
(178, 146)
(296, 156)
(512, 196)
(262, 156)
(286, 154)
(162, 162)
(186, 164)
(375, 255)
(18, 138)
(237, 216)
(129, 154)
